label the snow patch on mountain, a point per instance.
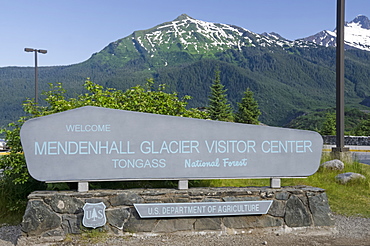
(187, 30)
(200, 37)
(356, 35)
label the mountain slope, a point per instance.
(288, 78)
(186, 39)
(356, 35)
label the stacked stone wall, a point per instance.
(52, 213)
(348, 140)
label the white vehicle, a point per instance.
(3, 145)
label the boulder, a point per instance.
(333, 165)
(117, 217)
(319, 206)
(296, 213)
(346, 177)
(39, 218)
(65, 204)
(126, 198)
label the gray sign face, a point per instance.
(92, 144)
(163, 210)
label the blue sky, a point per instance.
(72, 30)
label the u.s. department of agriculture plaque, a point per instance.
(198, 209)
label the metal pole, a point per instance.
(36, 78)
(340, 77)
(36, 71)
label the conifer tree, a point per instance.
(363, 128)
(248, 111)
(329, 126)
(219, 108)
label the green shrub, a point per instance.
(16, 182)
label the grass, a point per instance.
(11, 208)
(87, 237)
(8, 217)
(93, 236)
(13, 199)
(351, 199)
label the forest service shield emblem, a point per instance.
(94, 215)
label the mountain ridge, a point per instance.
(288, 78)
(362, 20)
(356, 35)
(197, 38)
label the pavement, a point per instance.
(359, 153)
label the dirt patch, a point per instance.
(347, 231)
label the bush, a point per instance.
(139, 98)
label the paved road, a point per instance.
(362, 157)
(360, 153)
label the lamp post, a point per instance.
(340, 152)
(340, 76)
(36, 72)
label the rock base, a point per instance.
(52, 214)
(345, 156)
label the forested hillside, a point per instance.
(288, 78)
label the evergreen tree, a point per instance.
(363, 129)
(248, 111)
(329, 125)
(219, 108)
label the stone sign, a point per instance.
(97, 144)
(163, 210)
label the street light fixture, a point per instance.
(36, 73)
(340, 78)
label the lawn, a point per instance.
(351, 199)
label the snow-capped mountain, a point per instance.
(195, 37)
(201, 36)
(288, 78)
(356, 35)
